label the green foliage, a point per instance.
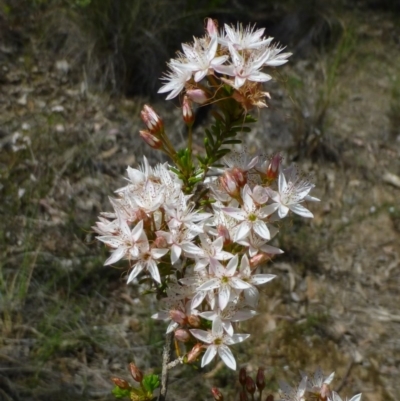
(151, 383)
(121, 392)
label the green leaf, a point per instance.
(120, 393)
(151, 382)
(232, 142)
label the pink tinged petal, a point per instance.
(158, 253)
(283, 211)
(202, 335)
(212, 48)
(153, 270)
(198, 299)
(175, 253)
(251, 295)
(223, 296)
(235, 212)
(237, 338)
(282, 184)
(269, 209)
(301, 210)
(258, 76)
(209, 355)
(232, 266)
(117, 255)
(136, 270)
(259, 279)
(138, 231)
(225, 69)
(243, 231)
(242, 315)
(226, 355)
(239, 284)
(261, 229)
(227, 325)
(216, 268)
(209, 285)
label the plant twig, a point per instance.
(164, 373)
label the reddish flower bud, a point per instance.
(273, 168)
(239, 176)
(152, 120)
(187, 111)
(243, 396)
(121, 383)
(260, 379)
(270, 398)
(177, 316)
(197, 96)
(224, 232)
(242, 376)
(325, 392)
(182, 335)
(258, 259)
(136, 373)
(194, 353)
(194, 321)
(229, 184)
(250, 385)
(150, 139)
(217, 394)
(160, 242)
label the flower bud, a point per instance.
(224, 232)
(194, 353)
(325, 392)
(260, 379)
(150, 139)
(160, 242)
(250, 385)
(242, 376)
(243, 396)
(152, 120)
(229, 184)
(197, 96)
(217, 394)
(270, 397)
(182, 335)
(136, 373)
(187, 111)
(258, 259)
(212, 28)
(177, 316)
(239, 176)
(273, 168)
(121, 383)
(194, 321)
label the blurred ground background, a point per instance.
(74, 75)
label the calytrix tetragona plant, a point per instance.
(198, 228)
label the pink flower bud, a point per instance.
(224, 232)
(177, 316)
(194, 321)
(229, 184)
(182, 335)
(258, 259)
(260, 379)
(250, 385)
(194, 353)
(273, 168)
(151, 119)
(212, 28)
(325, 392)
(187, 111)
(197, 95)
(160, 242)
(136, 373)
(150, 139)
(270, 398)
(239, 176)
(121, 383)
(217, 394)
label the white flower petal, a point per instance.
(226, 355)
(209, 355)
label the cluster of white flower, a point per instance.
(317, 388)
(238, 54)
(216, 249)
